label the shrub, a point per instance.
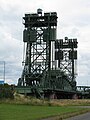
(6, 91)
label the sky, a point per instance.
(73, 22)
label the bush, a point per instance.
(6, 91)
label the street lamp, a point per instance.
(3, 70)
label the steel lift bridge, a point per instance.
(49, 64)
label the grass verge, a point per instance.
(26, 108)
(28, 112)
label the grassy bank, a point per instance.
(26, 108)
(28, 112)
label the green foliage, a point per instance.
(6, 91)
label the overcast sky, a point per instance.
(73, 22)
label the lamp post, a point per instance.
(3, 70)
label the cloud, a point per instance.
(9, 81)
(73, 22)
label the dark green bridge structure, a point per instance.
(49, 64)
(82, 92)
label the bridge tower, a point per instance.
(39, 36)
(66, 58)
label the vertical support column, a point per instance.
(73, 79)
(29, 59)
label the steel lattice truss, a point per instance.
(66, 49)
(38, 34)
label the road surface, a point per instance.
(85, 116)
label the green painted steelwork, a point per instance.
(48, 63)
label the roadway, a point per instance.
(85, 116)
